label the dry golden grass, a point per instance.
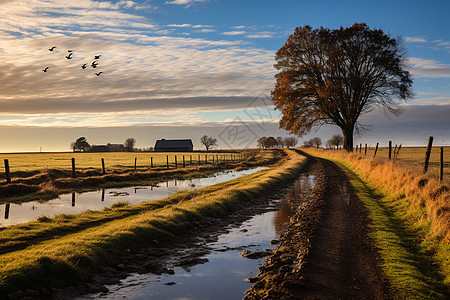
(425, 191)
(415, 156)
(113, 160)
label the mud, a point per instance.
(326, 252)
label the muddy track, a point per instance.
(326, 253)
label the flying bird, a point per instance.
(69, 56)
(83, 66)
(45, 70)
(52, 48)
(94, 64)
(97, 56)
(98, 74)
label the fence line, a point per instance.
(219, 159)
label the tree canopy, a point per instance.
(129, 144)
(334, 76)
(80, 144)
(208, 142)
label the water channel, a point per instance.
(72, 203)
(224, 273)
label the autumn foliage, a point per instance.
(334, 76)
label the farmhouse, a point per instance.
(99, 148)
(164, 145)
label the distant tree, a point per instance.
(208, 142)
(335, 76)
(80, 144)
(261, 142)
(129, 144)
(290, 141)
(271, 142)
(316, 142)
(307, 143)
(280, 142)
(336, 140)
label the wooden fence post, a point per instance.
(206, 159)
(103, 166)
(167, 161)
(213, 159)
(398, 150)
(7, 205)
(184, 162)
(390, 149)
(360, 148)
(151, 161)
(441, 172)
(176, 162)
(73, 167)
(73, 199)
(428, 153)
(376, 149)
(199, 162)
(190, 162)
(8, 174)
(135, 163)
(365, 149)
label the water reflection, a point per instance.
(78, 202)
(293, 200)
(223, 275)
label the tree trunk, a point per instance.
(347, 132)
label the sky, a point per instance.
(187, 68)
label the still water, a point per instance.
(224, 275)
(73, 203)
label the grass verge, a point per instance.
(416, 268)
(71, 258)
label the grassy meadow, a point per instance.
(66, 249)
(26, 162)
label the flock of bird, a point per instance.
(94, 64)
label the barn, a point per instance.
(164, 145)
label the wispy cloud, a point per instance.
(186, 3)
(429, 68)
(234, 32)
(409, 39)
(144, 68)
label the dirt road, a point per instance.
(326, 252)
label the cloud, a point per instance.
(429, 68)
(434, 100)
(415, 40)
(260, 36)
(186, 3)
(206, 30)
(234, 32)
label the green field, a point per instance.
(113, 160)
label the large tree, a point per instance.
(334, 76)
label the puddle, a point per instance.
(73, 203)
(224, 271)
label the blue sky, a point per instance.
(182, 69)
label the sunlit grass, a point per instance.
(73, 255)
(409, 263)
(24, 162)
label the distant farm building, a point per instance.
(164, 145)
(107, 148)
(116, 147)
(99, 148)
